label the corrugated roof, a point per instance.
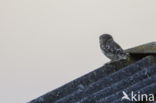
(106, 84)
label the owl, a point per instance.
(110, 48)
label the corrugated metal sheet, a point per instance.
(105, 85)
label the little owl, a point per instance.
(110, 48)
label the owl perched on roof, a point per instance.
(110, 48)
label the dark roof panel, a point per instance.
(110, 84)
(146, 85)
(85, 80)
(106, 84)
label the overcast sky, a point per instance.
(47, 43)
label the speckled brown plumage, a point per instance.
(110, 48)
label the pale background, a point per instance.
(47, 43)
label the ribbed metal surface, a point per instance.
(107, 83)
(84, 81)
(144, 85)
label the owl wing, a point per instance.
(113, 47)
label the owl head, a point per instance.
(105, 37)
